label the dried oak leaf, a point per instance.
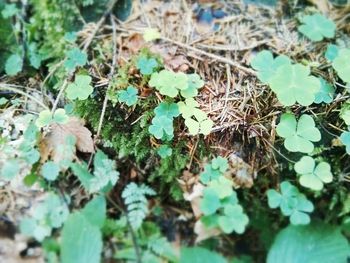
(54, 144)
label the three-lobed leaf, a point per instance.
(75, 58)
(80, 88)
(342, 64)
(146, 65)
(316, 27)
(128, 96)
(326, 92)
(46, 118)
(300, 134)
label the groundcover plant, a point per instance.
(174, 131)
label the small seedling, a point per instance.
(128, 96)
(75, 58)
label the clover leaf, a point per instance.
(222, 186)
(75, 58)
(146, 65)
(169, 83)
(345, 112)
(326, 92)
(50, 170)
(201, 124)
(164, 151)
(128, 96)
(188, 107)
(331, 52)
(233, 219)
(316, 27)
(293, 83)
(194, 83)
(342, 64)
(298, 135)
(161, 126)
(170, 110)
(210, 202)
(312, 176)
(213, 170)
(267, 66)
(13, 65)
(345, 139)
(291, 203)
(46, 118)
(80, 88)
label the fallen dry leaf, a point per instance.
(203, 232)
(194, 198)
(242, 173)
(53, 144)
(322, 5)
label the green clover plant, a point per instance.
(75, 58)
(300, 134)
(326, 92)
(213, 170)
(316, 27)
(331, 52)
(80, 89)
(194, 83)
(164, 151)
(293, 83)
(46, 118)
(128, 96)
(146, 65)
(345, 139)
(266, 66)
(221, 209)
(169, 83)
(291, 203)
(341, 64)
(312, 176)
(49, 214)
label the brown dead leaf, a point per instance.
(194, 198)
(203, 232)
(52, 143)
(171, 60)
(322, 5)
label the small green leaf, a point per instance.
(200, 255)
(13, 65)
(95, 211)
(293, 83)
(187, 107)
(9, 10)
(233, 219)
(274, 198)
(164, 151)
(75, 58)
(34, 57)
(169, 110)
(194, 83)
(341, 64)
(146, 65)
(312, 176)
(209, 174)
(45, 118)
(298, 135)
(50, 170)
(128, 96)
(316, 27)
(169, 83)
(267, 66)
(331, 52)
(161, 126)
(210, 202)
(80, 88)
(222, 186)
(345, 112)
(326, 92)
(345, 139)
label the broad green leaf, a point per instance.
(146, 65)
(326, 92)
(345, 139)
(316, 27)
(151, 34)
(95, 211)
(293, 83)
(313, 243)
(75, 58)
(266, 65)
(169, 110)
(233, 219)
(210, 202)
(341, 64)
(169, 83)
(81, 241)
(10, 169)
(164, 151)
(80, 88)
(298, 135)
(331, 52)
(200, 255)
(128, 96)
(50, 170)
(13, 65)
(312, 176)
(194, 83)
(161, 126)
